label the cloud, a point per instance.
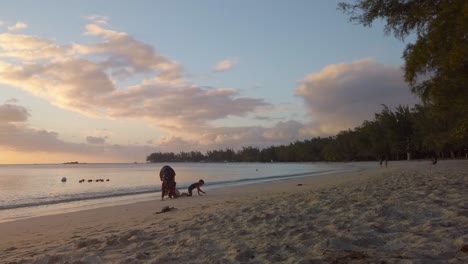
(18, 137)
(12, 101)
(98, 19)
(16, 134)
(81, 78)
(343, 95)
(21, 138)
(13, 113)
(17, 26)
(29, 48)
(124, 54)
(286, 132)
(84, 78)
(225, 65)
(238, 137)
(95, 140)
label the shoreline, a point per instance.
(408, 211)
(113, 199)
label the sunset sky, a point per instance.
(113, 81)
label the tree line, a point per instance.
(403, 133)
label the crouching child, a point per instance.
(196, 185)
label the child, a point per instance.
(196, 185)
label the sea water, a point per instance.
(32, 190)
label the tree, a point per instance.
(405, 128)
(372, 138)
(436, 65)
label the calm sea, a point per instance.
(32, 190)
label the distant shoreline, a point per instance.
(219, 162)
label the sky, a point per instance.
(113, 81)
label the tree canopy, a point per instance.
(436, 65)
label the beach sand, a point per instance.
(410, 212)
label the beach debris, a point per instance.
(64, 179)
(90, 180)
(165, 209)
(299, 184)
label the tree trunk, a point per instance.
(408, 154)
(452, 154)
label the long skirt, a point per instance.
(168, 187)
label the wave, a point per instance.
(76, 198)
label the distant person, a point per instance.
(434, 159)
(196, 185)
(167, 176)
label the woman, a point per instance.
(167, 176)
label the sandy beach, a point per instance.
(410, 212)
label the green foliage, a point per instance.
(436, 65)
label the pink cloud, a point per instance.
(71, 78)
(17, 136)
(225, 65)
(13, 113)
(95, 140)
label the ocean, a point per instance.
(34, 190)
